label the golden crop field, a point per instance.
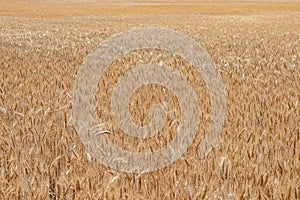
(255, 47)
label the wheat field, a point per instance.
(255, 47)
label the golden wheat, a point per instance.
(257, 156)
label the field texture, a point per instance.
(256, 49)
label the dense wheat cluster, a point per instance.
(258, 153)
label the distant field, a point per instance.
(255, 46)
(96, 8)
